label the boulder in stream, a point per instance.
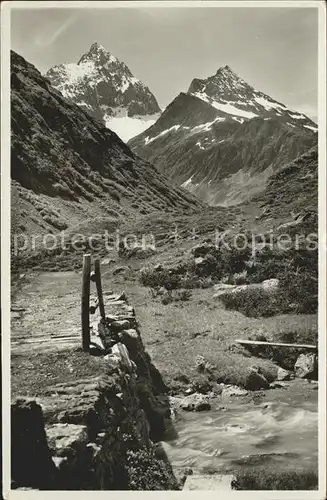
(283, 374)
(232, 390)
(193, 402)
(306, 366)
(278, 385)
(255, 380)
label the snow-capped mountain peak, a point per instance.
(99, 56)
(96, 49)
(224, 82)
(105, 87)
(223, 139)
(231, 95)
(225, 73)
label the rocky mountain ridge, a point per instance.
(105, 87)
(223, 139)
(230, 94)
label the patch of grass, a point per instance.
(32, 374)
(177, 333)
(263, 479)
(183, 295)
(239, 278)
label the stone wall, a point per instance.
(100, 433)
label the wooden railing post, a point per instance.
(97, 274)
(85, 313)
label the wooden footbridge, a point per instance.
(73, 324)
(309, 347)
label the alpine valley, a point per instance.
(221, 144)
(223, 139)
(188, 358)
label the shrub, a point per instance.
(167, 299)
(216, 263)
(300, 290)
(168, 296)
(147, 472)
(309, 336)
(160, 277)
(297, 271)
(255, 303)
(263, 479)
(136, 251)
(240, 278)
(183, 295)
(202, 383)
(235, 260)
(271, 263)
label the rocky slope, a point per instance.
(223, 139)
(105, 87)
(67, 168)
(291, 195)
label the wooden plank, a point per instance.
(48, 340)
(276, 344)
(99, 286)
(85, 313)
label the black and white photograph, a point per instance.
(163, 191)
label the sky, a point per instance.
(273, 49)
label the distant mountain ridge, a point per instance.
(105, 87)
(223, 139)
